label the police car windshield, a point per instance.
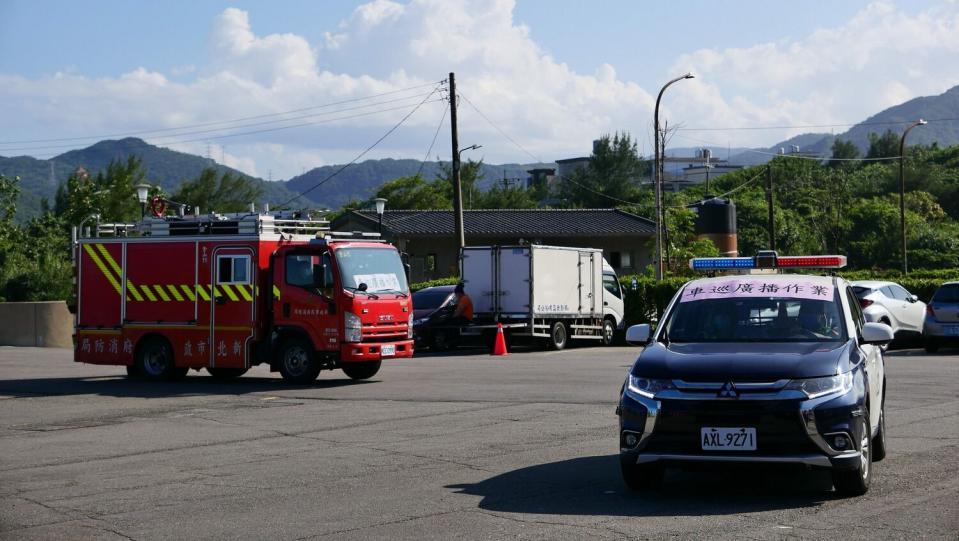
(756, 319)
(379, 268)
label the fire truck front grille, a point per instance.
(384, 332)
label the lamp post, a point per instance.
(658, 180)
(458, 196)
(380, 207)
(902, 191)
(143, 190)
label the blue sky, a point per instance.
(552, 74)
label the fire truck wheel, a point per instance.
(226, 373)
(155, 360)
(297, 362)
(363, 370)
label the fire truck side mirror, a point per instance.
(319, 277)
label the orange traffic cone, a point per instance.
(499, 348)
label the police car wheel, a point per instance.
(363, 370)
(297, 361)
(640, 476)
(879, 440)
(155, 360)
(855, 482)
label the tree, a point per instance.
(885, 146)
(414, 193)
(470, 173)
(611, 177)
(228, 193)
(505, 197)
(843, 152)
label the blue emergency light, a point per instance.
(768, 260)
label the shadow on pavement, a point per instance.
(593, 486)
(119, 386)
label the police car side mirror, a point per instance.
(638, 335)
(876, 333)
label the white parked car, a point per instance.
(890, 303)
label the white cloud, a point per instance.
(878, 58)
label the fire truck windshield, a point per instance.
(379, 268)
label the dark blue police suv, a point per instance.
(770, 368)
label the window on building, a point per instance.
(627, 260)
(233, 269)
(431, 262)
(615, 259)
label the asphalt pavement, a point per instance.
(436, 447)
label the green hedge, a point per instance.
(438, 282)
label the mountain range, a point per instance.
(169, 168)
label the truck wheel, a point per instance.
(154, 361)
(226, 373)
(557, 336)
(855, 482)
(609, 331)
(297, 361)
(364, 370)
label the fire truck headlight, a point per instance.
(409, 327)
(353, 327)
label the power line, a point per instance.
(503, 133)
(369, 148)
(206, 124)
(809, 126)
(162, 139)
(433, 142)
(730, 192)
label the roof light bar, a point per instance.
(768, 260)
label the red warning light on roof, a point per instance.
(818, 261)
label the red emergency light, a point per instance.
(817, 261)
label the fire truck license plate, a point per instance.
(388, 351)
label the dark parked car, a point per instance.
(758, 369)
(431, 306)
(941, 326)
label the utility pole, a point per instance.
(769, 203)
(457, 183)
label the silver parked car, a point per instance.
(942, 317)
(890, 303)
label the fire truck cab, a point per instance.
(227, 292)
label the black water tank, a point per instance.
(716, 221)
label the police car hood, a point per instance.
(750, 361)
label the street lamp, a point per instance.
(458, 196)
(143, 191)
(658, 180)
(902, 191)
(380, 207)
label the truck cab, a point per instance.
(613, 306)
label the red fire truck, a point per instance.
(227, 292)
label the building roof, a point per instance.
(513, 222)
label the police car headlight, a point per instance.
(353, 327)
(816, 387)
(647, 387)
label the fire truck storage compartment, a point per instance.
(163, 282)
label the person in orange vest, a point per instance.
(463, 314)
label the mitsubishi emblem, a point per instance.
(728, 390)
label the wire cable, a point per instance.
(207, 124)
(433, 142)
(361, 154)
(810, 126)
(793, 156)
(497, 128)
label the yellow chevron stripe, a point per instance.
(214, 291)
(147, 293)
(109, 259)
(103, 268)
(187, 292)
(174, 292)
(132, 289)
(201, 291)
(229, 292)
(245, 292)
(160, 292)
(276, 292)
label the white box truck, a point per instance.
(550, 292)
